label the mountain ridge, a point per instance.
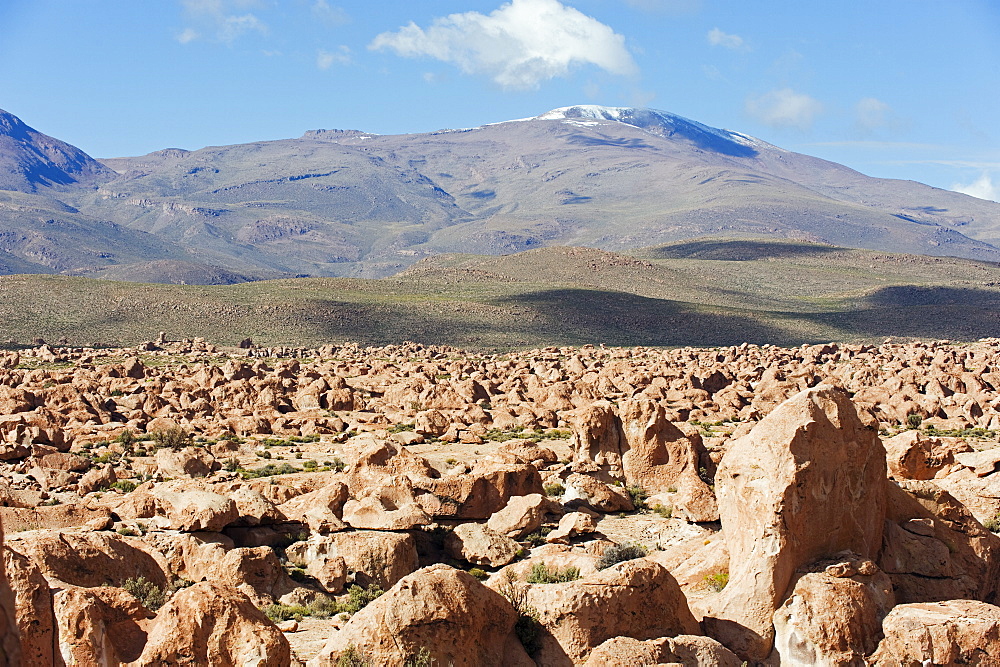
(353, 203)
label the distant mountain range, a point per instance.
(350, 203)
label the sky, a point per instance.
(904, 89)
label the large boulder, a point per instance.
(208, 624)
(99, 626)
(33, 606)
(369, 557)
(833, 615)
(10, 643)
(954, 632)
(635, 598)
(477, 544)
(521, 516)
(806, 483)
(679, 650)
(186, 462)
(389, 504)
(440, 610)
(914, 455)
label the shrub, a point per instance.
(358, 598)
(126, 438)
(527, 627)
(127, 532)
(618, 553)
(717, 580)
(537, 538)
(913, 420)
(555, 489)
(285, 612)
(665, 512)
(231, 464)
(174, 438)
(638, 496)
(309, 465)
(337, 465)
(351, 657)
(148, 593)
(993, 524)
(541, 574)
(479, 573)
(124, 486)
(269, 470)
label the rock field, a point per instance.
(178, 504)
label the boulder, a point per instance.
(370, 557)
(10, 642)
(833, 615)
(477, 544)
(953, 632)
(572, 525)
(99, 626)
(191, 508)
(208, 624)
(635, 598)
(806, 483)
(388, 505)
(33, 606)
(440, 610)
(914, 455)
(186, 462)
(321, 509)
(521, 516)
(586, 491)
(255, 571)
(479, 493)
(680, 650)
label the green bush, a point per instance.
(148, 593)
(479, 573)
(914, 420)
(351, 657)
(993, 524)
(358, 598)
(124, 486)
(541, 574)
(618, 553)
(285, 612)
(555, 489)
(269, 470)
(717, 580)
(638, 496)
(174, 438)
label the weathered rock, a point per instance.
(636, 598)
(96, 479)
(521, 516)
(480, 492)
(321, 509)
(913, 455)
(955, 632)
(188, 507)
(99, 626)
(806, 483)
(441, 610)
(370, 557)
(833, 615)
(207, 624)
(33, 606)
(187, 462)
(589, 492)
(10, 642)
(572, 525)
(477, 544)
(256, 572)
(389, 505)
(680, 650)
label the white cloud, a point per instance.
(519, 45)
(342, 56)
(871, 114)
(983, 187)
(332, 15)
(220, 17)
(785, 108)
(718, 38)
(187, 35)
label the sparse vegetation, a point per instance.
(527, 627)
(148, 593)
(554, 489)
(269, 470)
(716, 581)
(638, 496)
(174, 438)
(541, 574)
(618, 553)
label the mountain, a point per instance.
(351, 203)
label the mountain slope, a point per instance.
(349, 203)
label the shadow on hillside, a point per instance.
(922, 312)
(737, 250)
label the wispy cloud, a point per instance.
(871, 114)
(329, 14)
(325, 59)
(519, 45)
(221, 18)
(718, 38)
(983, 187)
(785, 108)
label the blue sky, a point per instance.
(894, 88)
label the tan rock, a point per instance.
(572, 525)
(389, 505)
(10, 642)
(33, 606)
(806, 483)
(186, 462)
(589, 492)
(953, 632)
(636, 598)
(99, 626)
(521, 516)
(913, 455)
(833, 616)
(479, 493)
(321, 509)
(680, 650)
(372, 558)
(444, 611)
(477, 544)
(207, 624)
(255, 571)
(189, 507)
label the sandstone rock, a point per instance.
(833, 616)
(96, 479)
(806, 483)
(187, 462)
(99, 626)
(207, 624)
(953, 632)
(913, 455)
(636, 598)
(589, 492)
(390, 505)
(33, 606)
(444, 611)
(254, 509)
(477, 544)
(10, 642)
(572, 525)
(680, 650)
(319, 557)
(256, 572)
(192, 508)
(321, 509)
(479, 493)
(521, 516)
(371, 558)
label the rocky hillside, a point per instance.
(827, 504)
(350, 203)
